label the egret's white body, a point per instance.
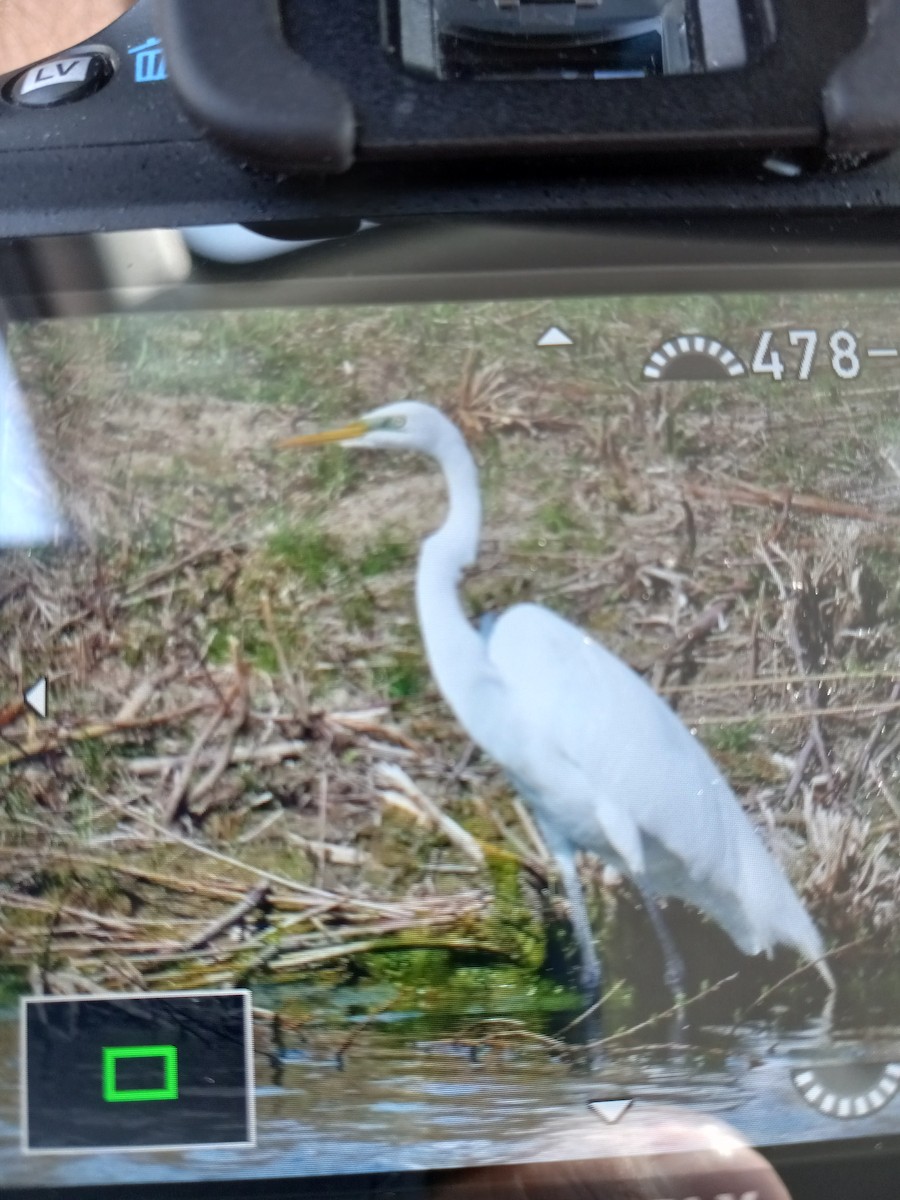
(604, 764)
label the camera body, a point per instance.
(599, 147)
(417, 108)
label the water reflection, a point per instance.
(396, 1100)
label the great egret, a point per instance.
(603, 763)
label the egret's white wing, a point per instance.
(28, 512)
(607, 765)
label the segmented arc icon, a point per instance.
(851, 1092)
(691, 356)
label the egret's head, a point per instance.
(406, 425)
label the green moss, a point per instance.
(412, 969)
(13, 982)
(449, 984)
(511, 923)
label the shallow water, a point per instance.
(403, 1101)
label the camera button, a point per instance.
(61, 80)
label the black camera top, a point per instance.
(188, 111)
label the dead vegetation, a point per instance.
(247, 771)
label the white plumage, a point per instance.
(604, 764)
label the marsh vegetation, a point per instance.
(248, 776)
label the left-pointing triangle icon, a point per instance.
(36, 697)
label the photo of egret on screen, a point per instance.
(507, 694)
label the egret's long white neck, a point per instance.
(456, 651)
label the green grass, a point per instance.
(387, 554)
(333, 472)
(342, 604)
(307, 552)
(359, 610)
(402, 677)
(253, 640)
(732, 739)
(154, 542)
(559, 517)
(97, 759)
(321, 560)
(16, 799)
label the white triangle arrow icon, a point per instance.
(610, 1110)
(36, 697)
(555, 337)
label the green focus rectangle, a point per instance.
(112, 1055)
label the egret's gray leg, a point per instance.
(674, 964)
(591, 975)
(831, 983)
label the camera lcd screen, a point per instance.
(381, 850)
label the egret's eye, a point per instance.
(393, 423)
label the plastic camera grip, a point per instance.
(233, 71)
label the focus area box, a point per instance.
(141, 1072)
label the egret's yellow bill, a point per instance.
(354, 430)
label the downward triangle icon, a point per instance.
(555, 337)
(611, 1110)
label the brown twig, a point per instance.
(708, 621)
(814, 696)
(764, 681)
(237, 718)
(34, 904)
(232, 714)
(178, 792)
(297, 692)
(11, 712)
(365, 723)
(189, 885)
(750, 495)
(519, 1035)
(396, 779)
(187, 560)
(589, 1012)
(862, 762)
(323, 827)
(149, 580)
(804, 969)
(144, 693)
(254, 899)
(363, 1025)
(55, 742)
(799, 768)
(802, 714)
(291, 885)
(268, 755)
(674, 1011)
